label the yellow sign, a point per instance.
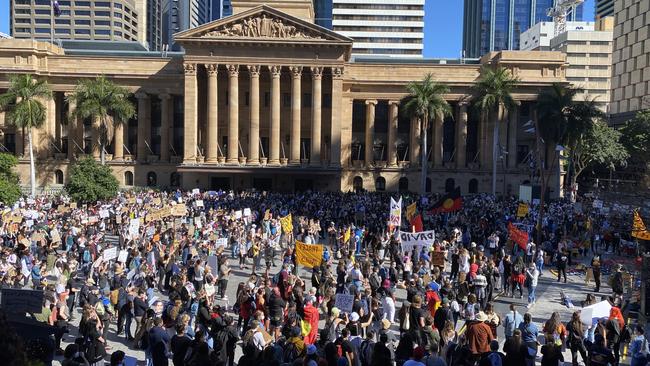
(411, 210)
(179, 210)
(287, 224)
(309, 255)
(347, 235)
(522, 210)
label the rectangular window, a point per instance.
(103, 32)
(22, 21)
(117, 15)
(82, 22)
(82, 31)
(62, 21)
(42, 30)
(117, 5)
(103, 22)
(286, 100)
(42, 2)
(10, 142)
(102, 13)
(82, 12)
(62, 31)
(117, 34)
(43, 11)
(306, 100)
(117, 24)
(64, 3)
(102, 4)
(82, 3)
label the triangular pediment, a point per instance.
(264, 24)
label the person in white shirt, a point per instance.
(532, 275)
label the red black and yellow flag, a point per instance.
(451, 202)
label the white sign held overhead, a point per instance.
(110, 253)
(247, 212)
(122, 256)
(344, 302)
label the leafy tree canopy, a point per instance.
(636, 137)
(600, 146)
(91, 181)
(9, 189)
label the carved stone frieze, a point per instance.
(262, 26)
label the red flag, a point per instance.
(518, 236)
(416, 223)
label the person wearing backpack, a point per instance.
(639, 348)
(492, 358)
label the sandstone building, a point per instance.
(269, 100)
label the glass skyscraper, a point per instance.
(323, 11)
(493, 25)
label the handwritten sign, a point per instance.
(423, 239)
(344, 302)
(247, 212)
(238, 214)
(438, 259)
(122, 256)
(110, 253)
(221, 242)
(179, 210)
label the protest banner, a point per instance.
(247, 212)
(221, 242)
(287, 224)
(165, 212)
(438, 259)
(238, 214)
(122, 256)
(395, 219)
(134, 227)
(309, 255)
(518, 236)
(199, 203)
(104, 214)
(21, 301)
(213, 262)
(411, 240)
(110, 253)
(522, 210)
(344, 302)
(179, 210)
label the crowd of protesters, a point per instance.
(165, 293)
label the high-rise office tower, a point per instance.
(604, 8)
(179, 15)
(630, 60)
(381, 27)
(219, 9)
(323, 13)
(493, 25)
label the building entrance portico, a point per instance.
(257, 86)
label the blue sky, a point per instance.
(443, 25)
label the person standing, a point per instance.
(179, 344)
(562, 259)
(529, 334)
(532, 275)
(479, 335)
(595, 267)
(158, 341)
(511, 321)
(575, 340)
(224, 272)
(639, 348)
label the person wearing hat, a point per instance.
(479, 335)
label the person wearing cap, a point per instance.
(479, 335)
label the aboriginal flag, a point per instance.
(451, 202)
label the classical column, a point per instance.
(118, 142)
(143, 107)
(438, 147)
(233, 114)
(165, 125)
(50, 131)
(254, 134)
(212, 139)
(513, 123)
(370, 130)
(274, 153)
(73, 125)
(414, 146)
(484, 147)
(296, 80)
(336, 108)
(461, 135)
(190, 115)
(392, 131)
(316, 110)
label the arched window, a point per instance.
(175, 180)
(357, 184)
(473, 186)
(58, 177)
(427, 186)
(128, 178)
(380, 184)
(450, 184)
(403, 184)
(152, 179)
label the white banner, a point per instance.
(110, 253)
(395, 212)
(412, 240)
(134, 227)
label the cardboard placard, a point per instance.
(110, 253)
(73, 205)
(438, 259)
(344, 302)
(179, 210)
(122, 256)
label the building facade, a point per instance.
(493, 25)
(588, 50)
(78, 19)
(631, 60)
(383, 28)
(604, 8)
(266, 100)
(180, 15)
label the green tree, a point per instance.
(425, 101)
(493, 94)
(9, 188)
(636, 137)
(90, 181)
(105, 102)
(599, 145)
(23, 103)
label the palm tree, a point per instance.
(425, 101)
(105, 102)
(556, 122)
(23, 103)
(492, 92)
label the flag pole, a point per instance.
(52, 21)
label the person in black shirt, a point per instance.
(180, 342)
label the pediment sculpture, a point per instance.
(262, 27)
